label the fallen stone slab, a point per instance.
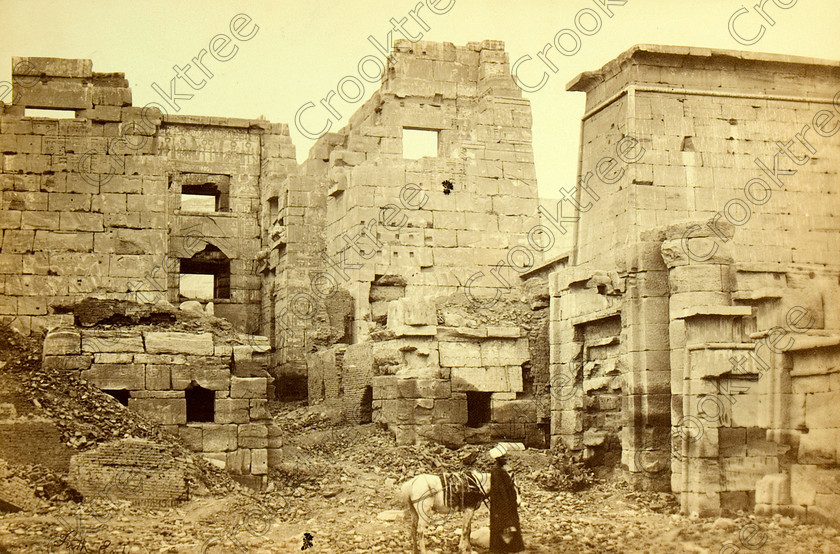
(167, 342)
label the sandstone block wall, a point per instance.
(91, 205)
(420, 226)
(418, 377)
(159, 370)
(706, 254)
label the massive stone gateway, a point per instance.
(690, 336)
(702, 286)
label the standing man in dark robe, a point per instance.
(505, 533)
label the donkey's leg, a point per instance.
(424, 508)
(464, 545)
(413, 521)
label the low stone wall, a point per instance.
(156, 369)
(435, 367)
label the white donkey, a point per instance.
(426, 494)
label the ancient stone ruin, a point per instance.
(690, 337)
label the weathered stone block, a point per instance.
(232, 410)
(60, 342)
(513, 411)
(259, 409)
(275, 457)
(220, 438)
(819, 410)
(209, 378)
(259, 461)
(384, 387)
(170, 359)
(116, 376)
(253, 435)
(158, 377)
(490, 379)
(742, 473)
(218, 459)
(192, 437)
(239, 461)
(275, 436)
(411, 311)
(113, 358)
(513, 332)
(819, 446)
(165, 411)
(451, 410)
(732, 441)
(423, 388)
(67, 362)
(460, 354)
(248, 387)
(773, 489)
(504, 352)
(111, 341)
(164, 342)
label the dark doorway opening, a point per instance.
(201, 404)
(120, 395)
(366, 406)
(478, 408)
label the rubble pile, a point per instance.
(85, 417)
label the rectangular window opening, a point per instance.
(206, 276)
(205, 193)
(50, 113)
(197, 286)
(420, 143)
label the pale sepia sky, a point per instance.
(303, 48)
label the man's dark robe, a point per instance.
(503, 512)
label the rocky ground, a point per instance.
(339, 485)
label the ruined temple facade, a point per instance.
(690, 337)
(702, 289)
(416, 355)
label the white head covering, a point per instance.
(503, 448)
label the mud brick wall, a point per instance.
(18, 435)
(92, 204)
(15, 493)
(158, 367)
(131, 469)
(356, 376)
